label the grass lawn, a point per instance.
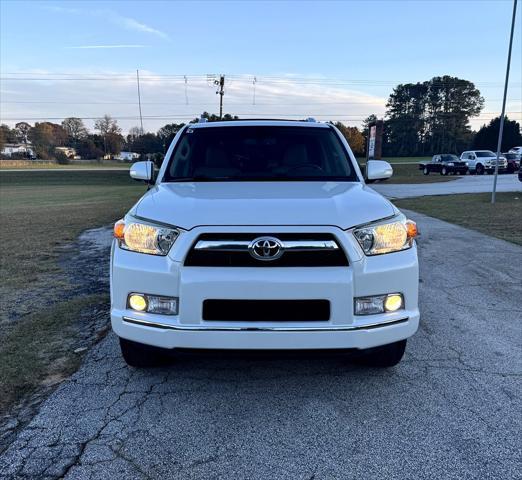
(39, 213)
(502, 220)
(412, 174)
(28, 165)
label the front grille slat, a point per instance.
(300, 250)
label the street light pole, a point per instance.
(503, 116)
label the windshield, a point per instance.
(260, 153)
(449, 158)
(486, 153)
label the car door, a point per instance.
(436, 165)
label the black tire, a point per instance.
(444, 171)
(142, 356)
(385, 356)
(426, 171)
(479, 170)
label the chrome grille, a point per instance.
(290, 250)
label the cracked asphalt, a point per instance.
(450, 409)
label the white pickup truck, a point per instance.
(483, 161)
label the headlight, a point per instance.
(144, 237)
(466, 163)
(386, 237)
(450, 164)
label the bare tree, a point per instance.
(75, 129)
(110, 131)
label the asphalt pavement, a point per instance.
(449, 410)
(465, 184)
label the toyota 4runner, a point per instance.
(263, 235)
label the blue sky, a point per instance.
(332, 60)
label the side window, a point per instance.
(436, 158)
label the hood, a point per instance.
(188, 205)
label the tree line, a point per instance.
(421, 118)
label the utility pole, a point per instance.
(221, 91)
(503, 114)
(139, 99)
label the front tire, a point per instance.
(480, 169)
(384, 357)
(444, 171)
(139, 355)
(426, 171)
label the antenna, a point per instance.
(186, 95)
(254, 97)
(139, 99)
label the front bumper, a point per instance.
(134, 272)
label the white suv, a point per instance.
(481, 161)
(263, 235)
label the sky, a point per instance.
(331, 60)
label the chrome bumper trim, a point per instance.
(198, 328)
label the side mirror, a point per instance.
(143, 171)
(378, 170)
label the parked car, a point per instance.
(263, 235)
(520, 173)
(480, 161)
(513, 161)
(517, 150)
(444, 164)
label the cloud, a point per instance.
(127, 23)
(167, 99)
(132, 24)
(89, 47)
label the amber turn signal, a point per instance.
(119, 229)
(411, 229)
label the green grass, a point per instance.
(27, 165)
(475, 211)
(40, 212)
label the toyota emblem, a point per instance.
(266, 248)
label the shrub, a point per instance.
(61, 157)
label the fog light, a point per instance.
(137, 302)
(142, 302)
(163, 305)
(378, 304)
(393, 302)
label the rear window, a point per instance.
(261, 153)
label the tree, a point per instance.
(7, 135)
(167, 133)
(147, 143)
(22, 130)
(134, 133)
(45, 136)
(75, 130)
(111, 134)
(354, 137)
(431, 117)
(487, 136)
(87, 148)
(212, 117)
